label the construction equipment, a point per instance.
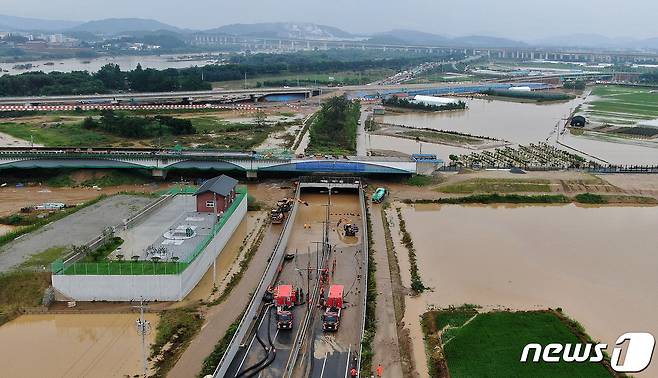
(285, 298)
(285, 204)
(349, 228)
(334, 306)
(277, 216)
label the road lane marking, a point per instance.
(347, 365)
(324, 363)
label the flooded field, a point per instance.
(72, 345)
(597, 263)
(516, 122)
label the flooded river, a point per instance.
(597, 263)
(126, 62)
(72, 345)
(516, 122)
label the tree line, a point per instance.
(334, 128)
(126, 126)
(110, 78)
(404, 103)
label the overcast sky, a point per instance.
(520, 19)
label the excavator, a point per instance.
(349, 228)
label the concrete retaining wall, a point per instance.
(150, 287)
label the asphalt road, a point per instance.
(322, 354)
(75, 229)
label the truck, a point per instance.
(379, 195)
(334, 306)
(284, 299)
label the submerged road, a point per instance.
(321, 354)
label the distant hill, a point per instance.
(111, 26)
(294, 30)
(413, 37)
(13, 23)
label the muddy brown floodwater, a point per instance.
(517, 122)
(96, 345)
(598, 264)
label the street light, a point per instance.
(143, 328)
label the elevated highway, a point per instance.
(221, 95)
(159, 162)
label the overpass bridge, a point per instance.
(159, 162)
(219, 95)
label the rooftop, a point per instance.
(221, 185)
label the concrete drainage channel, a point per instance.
(291, 353)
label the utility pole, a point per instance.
(143, 328)
(245, 80)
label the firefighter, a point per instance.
(321, 303)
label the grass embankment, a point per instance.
(104, 179)
(540, 96)
(496, 198)
(243, 264)
(371, 305)
(490, 344)
(210, 363)
(174, 332)
(416, 282)
(45, 258)
(418, 180)
(21, 289)
(38, 223)
(480, 185)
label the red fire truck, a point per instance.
(284, 299)
(332, 312)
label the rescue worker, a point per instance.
(353, 372)
(380, 370)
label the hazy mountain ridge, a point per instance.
(13, 23)
(122, 25)
(312, 31)
(294, 30)
(413, 37)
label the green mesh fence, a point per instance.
(148, 267)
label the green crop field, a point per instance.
(619, 105)
(490, 345)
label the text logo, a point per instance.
(638, 352)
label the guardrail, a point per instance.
(254, 306)
(366, 246)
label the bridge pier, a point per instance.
(159, 173)
(252, 174)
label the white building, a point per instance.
(431, 100)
